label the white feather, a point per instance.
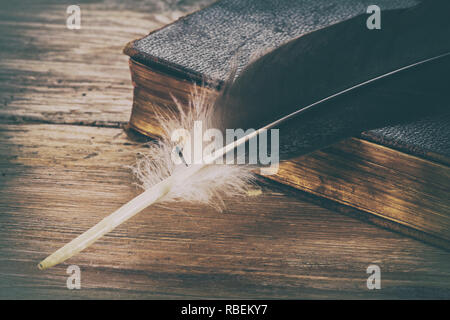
(166, 181)
(213, 182)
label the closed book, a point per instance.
(395, 176)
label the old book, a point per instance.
(396, 176)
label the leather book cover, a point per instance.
(204, 44)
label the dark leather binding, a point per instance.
(427, 138)
(205, 44)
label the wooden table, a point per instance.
(65, 95)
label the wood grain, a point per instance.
(52, 74)
(57, 179)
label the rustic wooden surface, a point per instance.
(63, 157)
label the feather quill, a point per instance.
(165, 181)
(249, 101)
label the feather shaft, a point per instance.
(107, 224)
(161, 189)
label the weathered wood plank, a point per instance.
(58, 180)
(55, 75)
